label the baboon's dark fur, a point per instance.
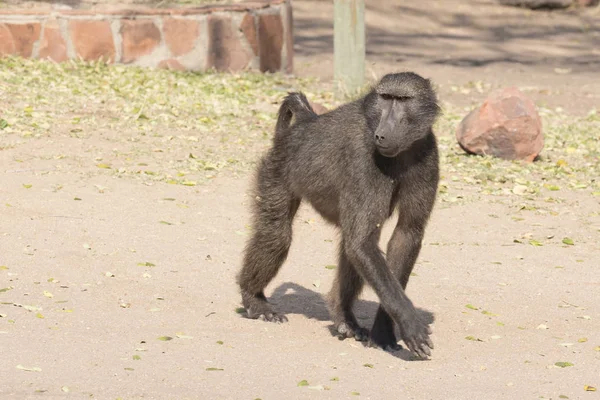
(355, 165)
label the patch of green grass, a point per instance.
(184, 127)
(154, 125)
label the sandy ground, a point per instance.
(97, 268)
(88, 343)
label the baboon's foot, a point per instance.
(272, 317)
(384, 339)
(257, 307)
(351, 329)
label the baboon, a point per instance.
(355, 165)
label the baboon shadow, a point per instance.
(291, 298)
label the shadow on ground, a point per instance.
(475, 33)
(291, 298)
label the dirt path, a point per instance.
(115, 284)
(554, 56)
(505, 312)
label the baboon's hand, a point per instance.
(415, 334)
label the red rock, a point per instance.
(270, 41)
(180, 34)
(92, 39)
(52, 44)
(7, 46)
(225, 50)
(248, 28)
(23, 36)
(507, 126)
(139, 38)
(318, 108)
(171, 64)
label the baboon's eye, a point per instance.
(386, 97)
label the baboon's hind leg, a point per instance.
(267, 249)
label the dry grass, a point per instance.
(158, 125)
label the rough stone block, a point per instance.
(92, 39)
(52, 44)
(247, 34)
(270, 39)
(248, 28)
(180, 34)
(171, 64)
(19, 38)
(506, 125)
(225, 50)
(7, 46)
(138, 38)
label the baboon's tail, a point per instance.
(296, 105)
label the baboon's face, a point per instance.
(408, 109)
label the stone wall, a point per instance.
(255, 35)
